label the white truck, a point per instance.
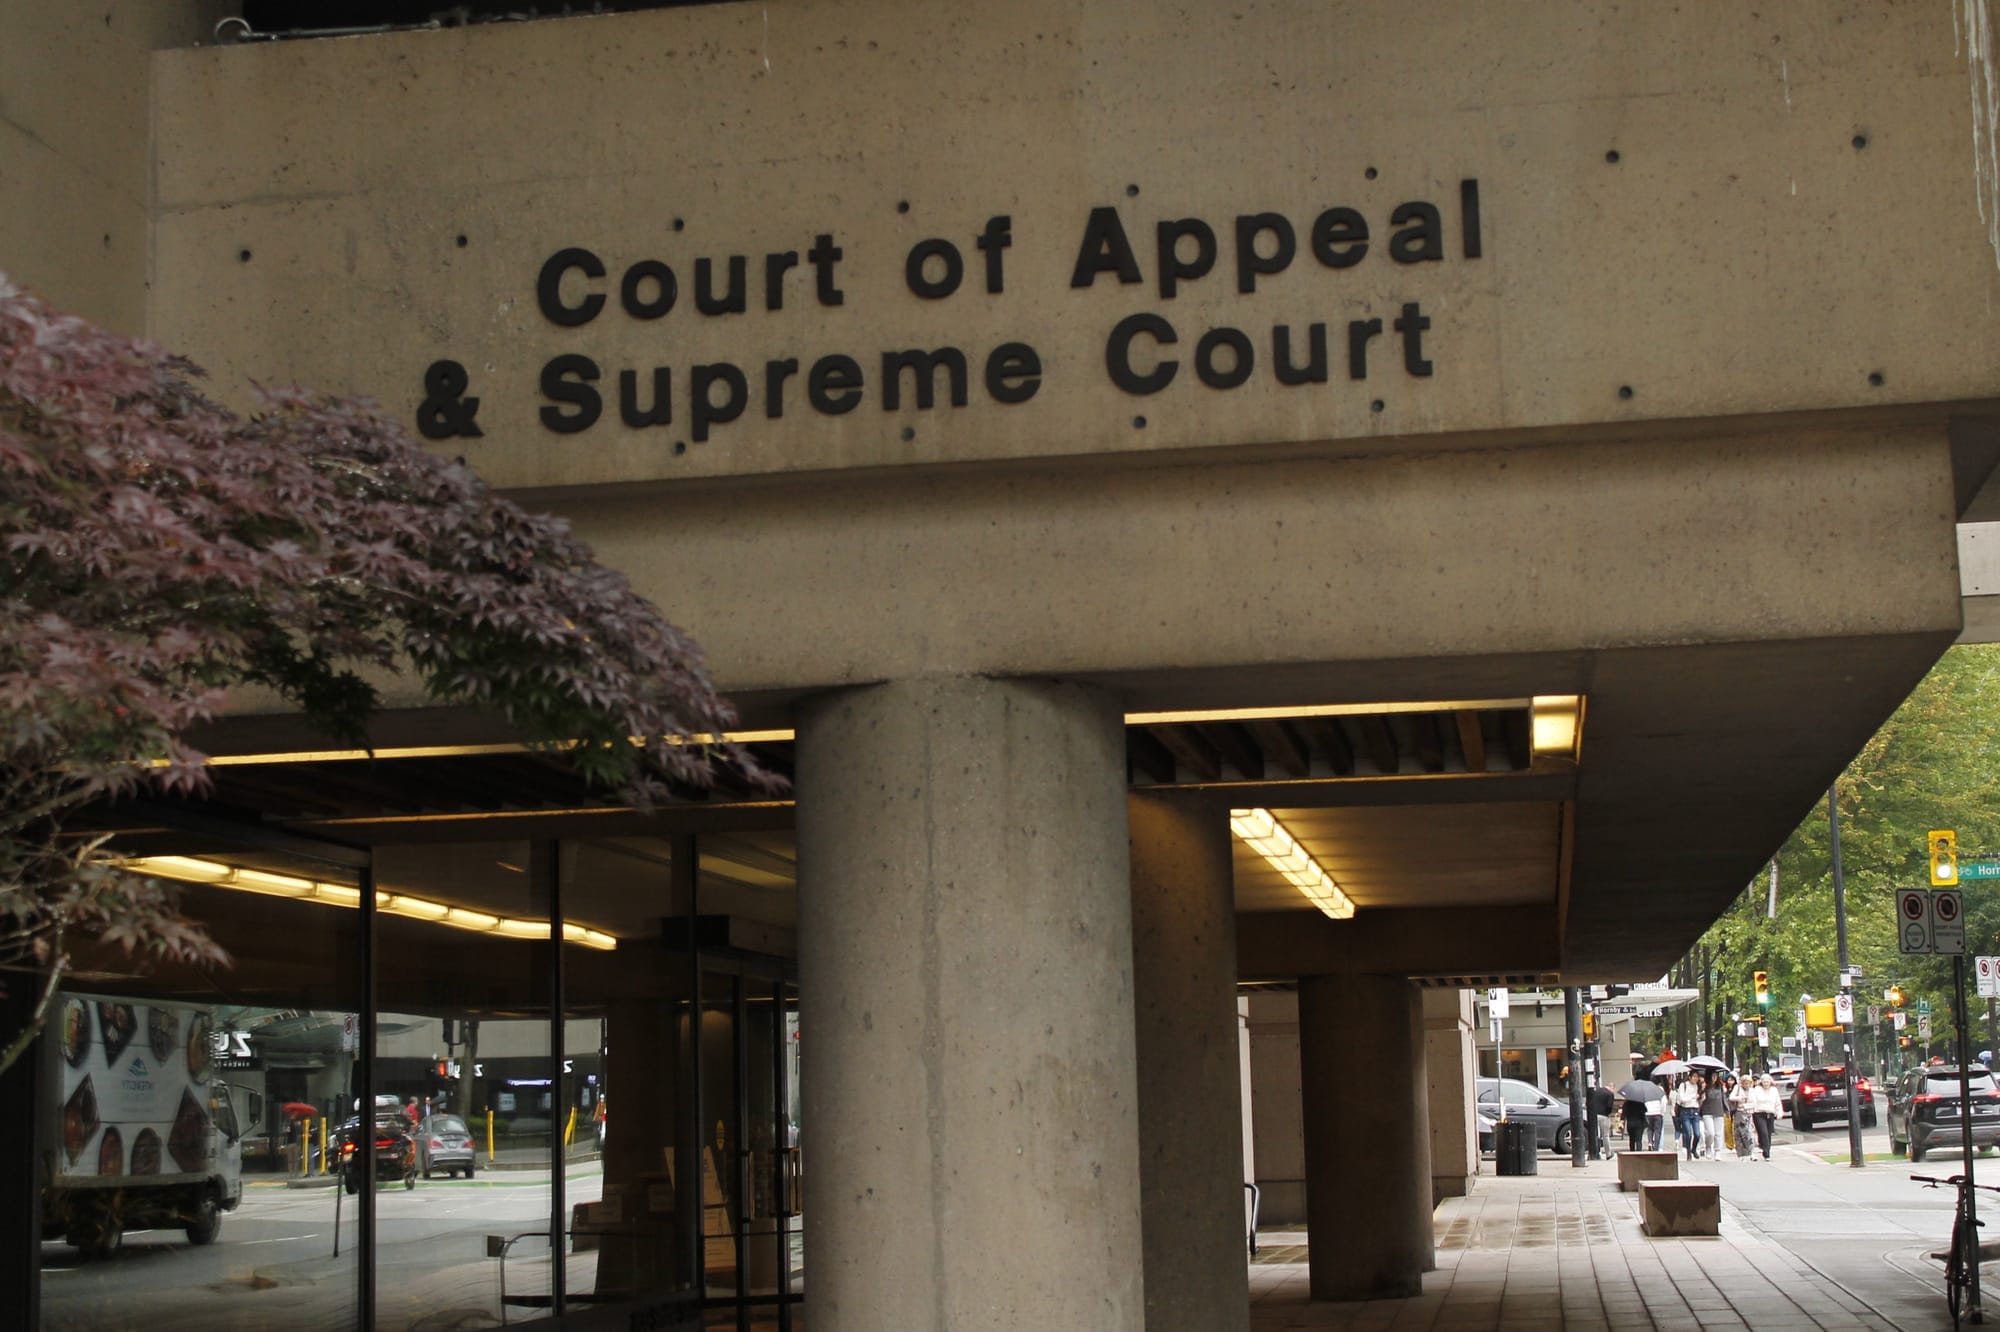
(137, 1130)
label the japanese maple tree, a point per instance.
(158, 549)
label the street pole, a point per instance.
(1965, 1118)
(1855, 1156)
(1573, 1023)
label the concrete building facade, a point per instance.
(1515, 451)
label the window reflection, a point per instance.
(180, 1119)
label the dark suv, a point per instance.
(1821, 1096)
(1924, 1110)
(395, 1152)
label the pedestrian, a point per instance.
(1686, 1099)
(1764, 1108)
(1598, 1103)
(1714, 1113)
(413, 1114)
(1656, 1122)
(1635, 1125)
(1739, 1116)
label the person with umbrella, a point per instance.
(1637, 1094)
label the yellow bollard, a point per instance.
(569, 1129)
(322, 1145)
(305, 1137)
(489, 1137)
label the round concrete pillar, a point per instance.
(1190, 1069)
(1367, 1137)
(965, 966)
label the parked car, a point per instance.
(1820, 1096)
(1523, 1100)
(1924, 1110)
(444, 1143)
(395, 1152)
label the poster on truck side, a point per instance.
(134, 1098)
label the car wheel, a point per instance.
(1563, 1139)
(351, 1186)
(1916, 1152)
(468, 1170)
(206, 1223)
(1868, 1120)
(1985, 1149)
(99, 1234)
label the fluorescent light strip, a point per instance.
(464, 751)
(190, 869)
(1262, 833)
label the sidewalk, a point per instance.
(1563, 1249)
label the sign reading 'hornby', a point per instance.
(1144, 353)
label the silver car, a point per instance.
(1524, 1101)
(444, 1144)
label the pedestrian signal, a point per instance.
(1590, 1026)
(1944, 857)
(1762, 980)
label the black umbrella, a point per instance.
(1638, 1089)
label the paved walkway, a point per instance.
(1563, 1249)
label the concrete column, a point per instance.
(1448, 1064)
(1368, 1174)
(1190, 1066)
(970, 1112)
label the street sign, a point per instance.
(1924, 1027)
(1900, 1019)
(1495, 1026)
(1913, 920)
(1988, 975)
(1496, 998)
(1947, 921)
(1843, 1009)
(1923, 1008)
(1979, 869)
(1764, 1037)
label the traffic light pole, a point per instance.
(1579, 1131)
(1856, 1157)
(1965, 1117)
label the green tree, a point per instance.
(1934, 764)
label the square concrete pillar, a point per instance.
(1368, 1173)
(970, 1113)
(1451, 1070)
(1190, 1066)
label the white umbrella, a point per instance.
(1709, 1062)
(1668, 1068)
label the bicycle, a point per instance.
(1961, 1262)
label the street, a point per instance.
(274, 1263)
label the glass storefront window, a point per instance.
(452, 1119)
(182, 1115)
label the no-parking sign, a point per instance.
(1947, 921)
(1913, 920)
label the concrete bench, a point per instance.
(1679, 1207)
(1636, 1167)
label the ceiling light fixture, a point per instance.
(1262, 833)
(1557, 728)
(191, 869)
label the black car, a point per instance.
(395, 1152)
(1821, 1098)
(1925, 1110)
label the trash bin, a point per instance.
(1514, 1148)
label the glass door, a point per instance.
(752, 1179)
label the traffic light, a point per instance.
(1944, 857)
(1762, 979)
(1894, 994)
